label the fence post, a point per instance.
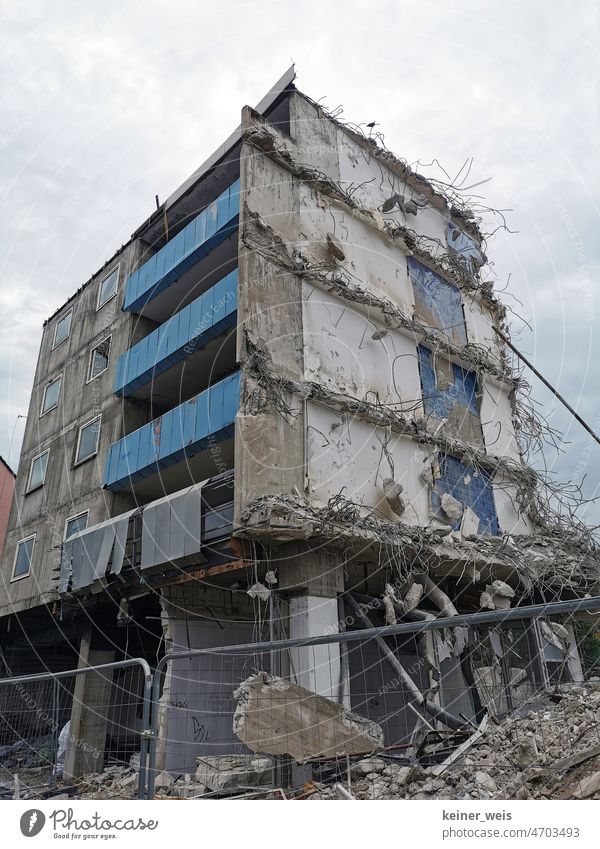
(55, 732)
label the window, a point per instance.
(437, 302)
(51, 394)
(108, 288)
(37, 471)
(76, 524)
(23, 557)
(99, 359)
(87, 444)
(62, 329)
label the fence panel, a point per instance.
(266, 719)
(77, 729)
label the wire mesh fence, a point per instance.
(58, 729)
(266, 719)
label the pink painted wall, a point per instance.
(7, 488)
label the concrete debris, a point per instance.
(497, 596)
(412, 597)
(528, 753)
(393, 496)
(523, 757)
(379, 334)
(259, 590)
(390, 613)
(277, 717)
(470, 522)
(270, 578)
(334, 247)
(229, 772)
(163, 779)
(451, 506)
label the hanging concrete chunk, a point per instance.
(497, 596)
(393, 496)
(451, 506)
(277, 717)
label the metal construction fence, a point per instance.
(56, 727)
(239, 719)
(247, 719)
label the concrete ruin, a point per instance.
(286, 395)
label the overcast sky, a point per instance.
(106, 104)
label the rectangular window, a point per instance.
(471, 488)
(108, 288)
(99, 359)
(87, 444)
(76, 524)
(62, 329)
(23, 557)
(37, 471)
(51, 395)
(438, 303)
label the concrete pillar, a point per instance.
(89, 713)
(311, 579)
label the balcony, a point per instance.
(206, 232)
(148, 461)
(182, 338)
(190, 526)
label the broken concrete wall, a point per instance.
(349, 352)
(350, 454)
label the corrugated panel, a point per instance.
(189, 330)
(196, 240)
(183, 430)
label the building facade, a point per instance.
(286, 389)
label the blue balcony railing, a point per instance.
(195, 241)
(187, 331)
(182, 432)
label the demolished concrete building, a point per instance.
(283, 397)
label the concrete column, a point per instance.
(311, 579)
(89, 713)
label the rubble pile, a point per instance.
(550, 752)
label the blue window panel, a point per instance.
(223, 210)
(215, 408)
(196, 240)
(189, 422)
(166, 437)
(200, 229)
(202, 427)
(185, 332)
(438, 302)
(182, 431)
(231, 398)
(464, 248)
(472, 487)
(439, 402)
(234, 199)
(219, 301)
(231, 294)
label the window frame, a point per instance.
(95, 453)
(29, 487)
(46, 387)
(55, 344)
(117, 270)
(19, 543)
(85, 513)
(91, 359)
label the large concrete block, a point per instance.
(277, 717)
